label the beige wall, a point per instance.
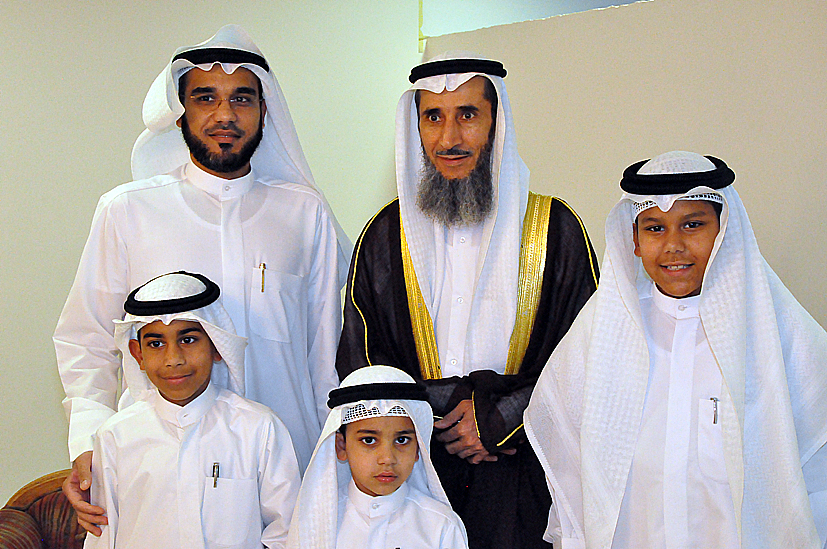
(592, 92)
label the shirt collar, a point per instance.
(376, 506)
(220, 188)
(184, 416)
(684, 307)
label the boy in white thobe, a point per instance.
(686, 406)
(190, 464)
(382, 492)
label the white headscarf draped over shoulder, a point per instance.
(494, 305)
(585, 412)
(180, 296)
(315, 517)
(279, 158)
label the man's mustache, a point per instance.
(454, 151)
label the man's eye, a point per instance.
(467, 115)
(204, 99)
(241, 100)
(433, 118)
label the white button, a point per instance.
(681, 307)
(375, 506)
(462, 239)
(226, 187)
(460, 300)
(453, 362)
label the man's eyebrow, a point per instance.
(431, 111)
(246, 90)
(469, 108)
(202, 89)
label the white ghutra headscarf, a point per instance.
(585, 412)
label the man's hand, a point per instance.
(76, 489)
(462, 439)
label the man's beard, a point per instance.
(223, 162)
(457, 202)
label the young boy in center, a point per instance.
(191, 464)
(370, 483)
(687, 405)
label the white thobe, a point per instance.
(271, 248)
(677, 494)
(154, 473)
(454, 297)
(405, 519)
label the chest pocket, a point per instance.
(711, 441)
(230, 513)
(275, 298)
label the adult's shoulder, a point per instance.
(384, 222)
(127, 418)
(151, 184)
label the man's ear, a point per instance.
(341, 452)
(135, 351)
(216, 356)
(178, 122)
(263, 112)
(635, 239)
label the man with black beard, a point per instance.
(233, 200)
(468, 281)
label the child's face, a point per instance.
(381, 452)
(177, 358)
(675, 246)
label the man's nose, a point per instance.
(451, 135)
(225, 111)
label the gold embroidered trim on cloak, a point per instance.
(532, 266)
(423, 326)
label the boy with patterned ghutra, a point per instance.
(687, 405)
(190, 463)
(370, 483)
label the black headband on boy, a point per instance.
(675, 183)
(457, 66)
(376, 391)
(201, 292)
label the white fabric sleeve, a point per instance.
(88, 361)
(815, 477)
(560, 527)
(454, 537)
(324, 318)
(104, 491)
(278, 485)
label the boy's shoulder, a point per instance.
(432, 506)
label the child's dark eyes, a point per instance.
(155, 344)
(368, 440)
(654, 228)
(403, 439)
(188, 340)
